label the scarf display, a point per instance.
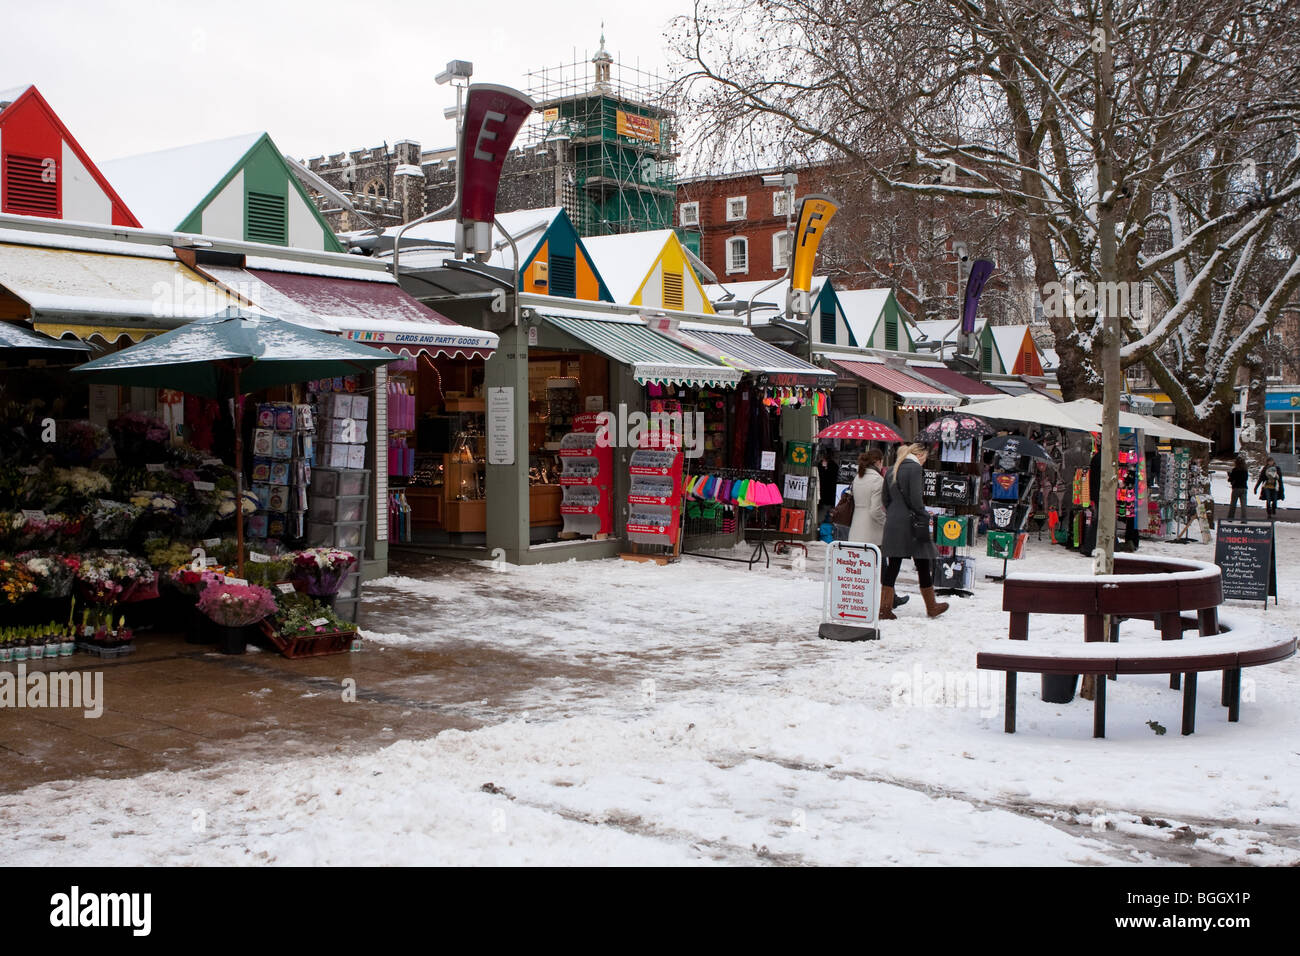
(743, 492)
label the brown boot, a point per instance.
(887, 604)
(933, 607)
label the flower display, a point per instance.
(54, 573)
(155, 503)
(189, 581)
(82, 482)
(106, 579)
(16, 581)
(235, 605)
(299, 617)
(80, 443)
(320, 571)
(113, 520)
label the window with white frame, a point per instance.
(737, 254)
(689, 214)
(781, 250)
(781, 203)
(737, 208)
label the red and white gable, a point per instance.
(45, 172)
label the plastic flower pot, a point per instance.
(1058, 688)
(231, 640)
(20, 652)
(35, 652)
(6, 654)
(67, 648)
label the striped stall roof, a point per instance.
(912, 391)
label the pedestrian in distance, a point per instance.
(1239, 481)
(1274, 489)
(827, 475)
(907, 531)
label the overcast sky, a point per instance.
(131, 76)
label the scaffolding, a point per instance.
(611, 125)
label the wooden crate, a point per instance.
(309, 645)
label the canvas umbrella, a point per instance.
(228, 356)
(19, 342)
(861, 429)
(955, 427)
(1016, 445)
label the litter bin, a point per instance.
(1059, 688)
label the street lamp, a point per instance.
(788, 181)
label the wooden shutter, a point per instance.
(563, 276)
(267, 219)
(828, 326)
(26, 193)
(891, 334)
(674, 291)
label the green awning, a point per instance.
(653, 357)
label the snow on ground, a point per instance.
(691, 715)
(1222, 491)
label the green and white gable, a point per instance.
(876, 320)
(237, 188)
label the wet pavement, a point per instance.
(172, 705)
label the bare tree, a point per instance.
(1094, 120)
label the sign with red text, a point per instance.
(852, 585)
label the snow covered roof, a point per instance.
(1008, 338)
(625, 260)
(935, 330)
(10, 95)
(1050, 359)
(164, 187)
(526, 226)
(862, 309)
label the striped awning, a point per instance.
(770, 366)
(913, 392)
(654, 358)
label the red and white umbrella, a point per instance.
(861, 429)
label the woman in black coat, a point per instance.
(905, 517)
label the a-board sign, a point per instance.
(1247, 557)
(851, 593)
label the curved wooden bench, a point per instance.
(1158, 589)
(1226, 652)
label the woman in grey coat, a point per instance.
(903, 503)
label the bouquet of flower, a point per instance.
(226, 503)
(189, 581)
(113, 520)
(81, 482)
(53, 573)
(296, 618)
(16, 581)
(320, 571)
(80, 443)
(30, 531)
(270, 572)
(139, 437)
(235, 605)
(113, 578)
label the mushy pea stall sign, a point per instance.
(851, 592)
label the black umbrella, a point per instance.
(1016, 445)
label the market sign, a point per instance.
(815, 213)
(493, 116)
(851, 592)
(501, 425)
(637, 127)
(1247, 559)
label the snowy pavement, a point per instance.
(688, 714)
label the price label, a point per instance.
(210, 461)
(33, 515)
(243, 581)
(114, 551)
(320, 622)
(286, 588)
(258, 557)
(211, 542)
(204, 486)
(210, 562)
(29, 470)
(154, 467)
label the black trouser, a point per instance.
(1238, 494)
(1270, 504)
(924, 571)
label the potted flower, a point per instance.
(16, 582)
(234, 608)
(191, 582)
(139, 438)
(320, 571)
